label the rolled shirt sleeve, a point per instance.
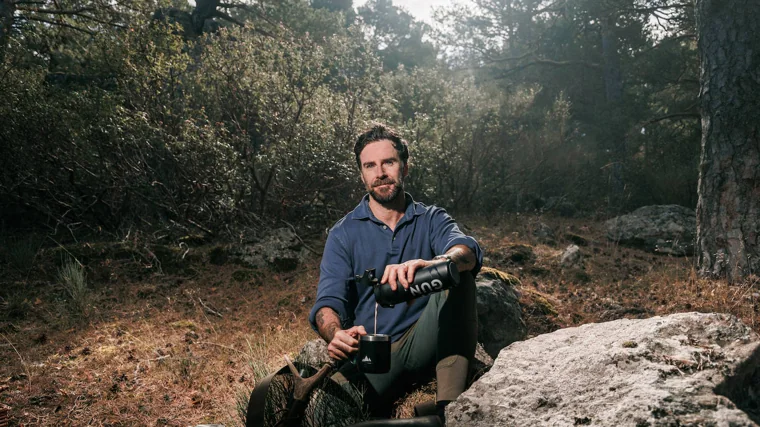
(446, 234)
(333, 290)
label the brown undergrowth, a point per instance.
(180, 346)
(164, 349)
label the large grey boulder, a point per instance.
(668, 229)
(688, 369)
(281, 249)
(500, 320)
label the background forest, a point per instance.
(148, 115)
(144, 144)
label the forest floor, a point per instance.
(183, 344)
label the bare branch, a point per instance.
(542, 61)
(511, 58)
(234, 5)
(57, 11)
(226, 17)
(656, 9)
(60, 24)
(681, 115)
(209, 310)
(100, 21)
(667, 41)
(554, 7)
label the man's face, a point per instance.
(383, 172)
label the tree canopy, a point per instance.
(161, 114)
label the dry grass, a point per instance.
(178, 350)
(153, 352)
(615, 282)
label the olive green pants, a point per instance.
(441, 342)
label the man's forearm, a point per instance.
(463, 257)
(328, 323)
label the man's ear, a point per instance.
(406, 169)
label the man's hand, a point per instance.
(345, 342)
(403, 273)
(340, 342)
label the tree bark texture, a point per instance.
(7, 9)
(613, 85)
(728, 210)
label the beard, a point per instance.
(388, 195)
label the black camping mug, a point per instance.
(374, 355)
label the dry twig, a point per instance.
(209, 309)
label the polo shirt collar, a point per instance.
(364, 212)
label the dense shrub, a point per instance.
(142, 126)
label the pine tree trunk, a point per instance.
(728, 210)
(613, 85)
(7, 9)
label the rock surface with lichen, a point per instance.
(688, 369)
(500, 321)
(664, 229)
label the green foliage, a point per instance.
(620, 65)
(140, 125)
(293, 105)
(399, 39)
(454, 133)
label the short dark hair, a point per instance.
(379, 132)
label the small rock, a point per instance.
(572, 257)
(281, 249)
(190, 336)
(482, 363)
(576, 239)
(314, 353)
(514, 255)
(544, 233)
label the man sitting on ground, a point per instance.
(390, 232)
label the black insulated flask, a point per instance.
(435, 278)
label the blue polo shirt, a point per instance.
(359, 241)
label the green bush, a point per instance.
(142, 127)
